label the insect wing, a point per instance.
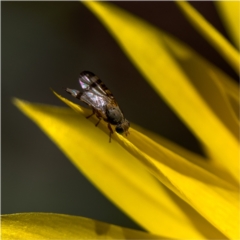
(94, 100)
(84, 82)
(88, 80)
(91, 84)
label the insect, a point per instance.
(95, 94)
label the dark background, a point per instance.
(47, 44)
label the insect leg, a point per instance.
(93, 112)
(111, 132)
(98, 115)
(99, 120)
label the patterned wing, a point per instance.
(94, 100)
(89, 82)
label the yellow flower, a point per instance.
(168, 190)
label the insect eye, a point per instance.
(119, 129)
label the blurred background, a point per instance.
(47, 44)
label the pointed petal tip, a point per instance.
(18, 102)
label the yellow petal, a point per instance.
(220, 102)
(231, 89)
(120, 176)
(35, 226)
(185, 178)
(170, 68)
(230, 13)
(212, 197)
(193, 158)
(215, 89)
(212, 35)
(188, 155)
